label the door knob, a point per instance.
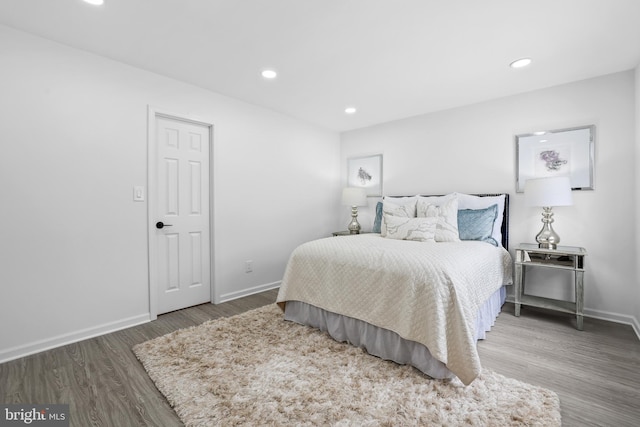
(160, 225)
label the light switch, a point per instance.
(138, 193)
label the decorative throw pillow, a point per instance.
(419, 229)
(377, 222)
(407, 209)
(468, 201)
(447, 214)
(477, 224)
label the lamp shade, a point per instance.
(548, 192)
(354, 196)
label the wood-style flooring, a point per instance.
(595, 372)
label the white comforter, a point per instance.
(425, 292)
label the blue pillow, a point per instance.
(477, 224)
(377, 223)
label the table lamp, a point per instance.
(354, 197)
(547, 193)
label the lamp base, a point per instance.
(547, 238)
(354, 225)
(551, 246)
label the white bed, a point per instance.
(416, 302)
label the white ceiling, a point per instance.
(389, 58)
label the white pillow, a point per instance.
(446, 210)
(438, 200)
(468, 201)
(401, 206)
(419, 229)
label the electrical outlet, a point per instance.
(248, 266)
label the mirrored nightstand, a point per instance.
(565, 258)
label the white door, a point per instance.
(180, 256)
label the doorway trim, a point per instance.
(152, 114)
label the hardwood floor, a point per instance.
(101, 379)
(595, 372)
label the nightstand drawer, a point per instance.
(564, 257)
(552, 260)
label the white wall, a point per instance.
(637, 194)
(73, 244)
(472, 149)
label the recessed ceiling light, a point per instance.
(350, 110)
(519, 63)
(95, 2)
(269, 74)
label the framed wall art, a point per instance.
(562, 152)
(366, 172)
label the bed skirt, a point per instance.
(384, 343)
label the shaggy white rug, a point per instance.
(257, 369)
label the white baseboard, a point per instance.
(71, 337)
(636, 327)
(608, 316)
(246, 292)
(614, 317)
(83, 334)
(49, 343)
